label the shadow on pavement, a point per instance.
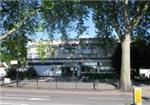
(146, 99)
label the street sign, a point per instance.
(137, 96)
(14, 62)
(7, 80)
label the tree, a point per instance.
(140, 55)
(18, 19)
(14, 48)
(25, 15)
(17, 16)
(45, 49)
(125, 18)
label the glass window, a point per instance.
(87, 50)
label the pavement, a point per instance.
(44, 84)
(75, 86)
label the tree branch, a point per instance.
(8, 33)
(126, 17)
(134, 22)
(19, 24)
(116, 25)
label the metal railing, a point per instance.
(58, 82)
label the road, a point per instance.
(22, 97)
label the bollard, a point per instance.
(137, 95)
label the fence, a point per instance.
(64, 83)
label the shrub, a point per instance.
(100, 76)
(11, 73)
(30, 73)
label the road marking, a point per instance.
(38, 99)
(12, 104)
(14, 98)
(64, 104)
(26, 95)
(32, 99)
(8, 103)
(97, 98)
(28, 104)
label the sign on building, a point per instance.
(14, 62)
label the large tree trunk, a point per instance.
(125, 78)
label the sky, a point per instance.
(89, 33)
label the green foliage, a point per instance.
(11, 73)
(63, 16)
(14, 11)
(14, 48)
(71, 18)
(47, 5)
(101, 76)
(44, 49)
(29, 74)
(109, 16)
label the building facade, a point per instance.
(72, 57)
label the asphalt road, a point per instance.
(64, 98)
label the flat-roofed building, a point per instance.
(72, 57)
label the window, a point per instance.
(69, 49)
(87, 50)
(29, 55)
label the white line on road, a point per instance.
(17, 98)
(101, 98)
(39, 99)
(63, 104)
(31, 99)
(26, 95)
(24, 104)
(28, 104)
(12, 104)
